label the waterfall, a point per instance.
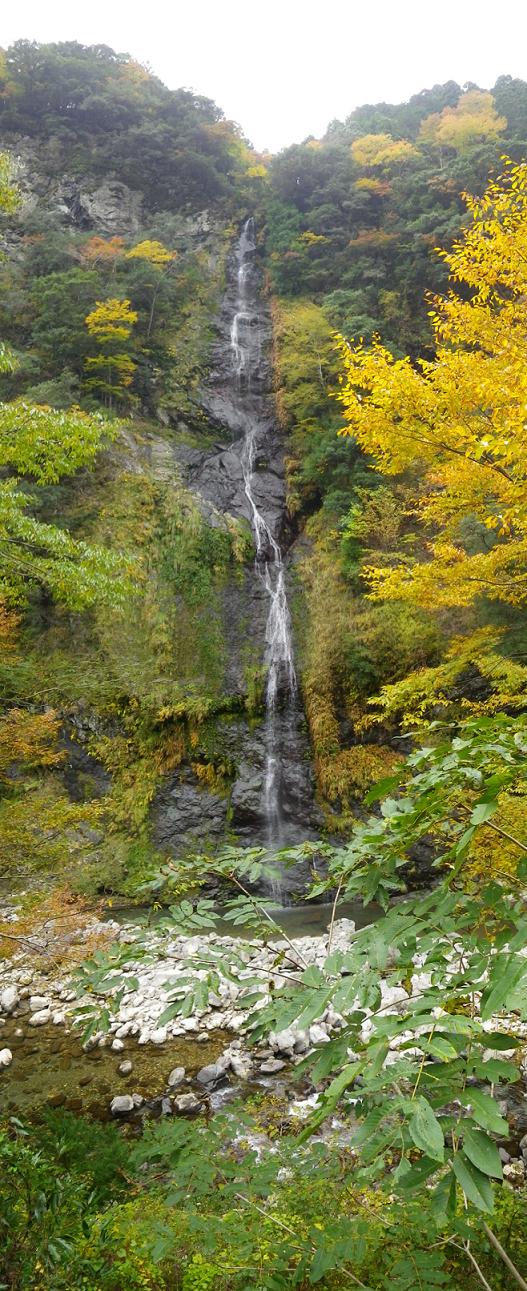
(281, 680)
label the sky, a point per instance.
(285, 68)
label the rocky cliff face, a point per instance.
(185, 815)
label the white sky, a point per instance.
(285, 68)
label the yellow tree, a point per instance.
(161, 260)
(472, 121)
(111, 371)
(460, 420)
(382, 151)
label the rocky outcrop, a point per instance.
(106, 206)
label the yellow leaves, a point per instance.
(459, 420)
(29, 740)
(311, 238)
(381, 150)
(475, 118)
(378, 187)
(152, 251)
(9, 194)
(111, 320)
(257, 171)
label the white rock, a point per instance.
(121, 1104)
(241, 1066)
(318, 1034)
(39, 1002)
(58, 1018)
(301, 1042)
(187, 1103)
(124, 1030)
(392, 995)
(283, 1041)
(9, 999)
(39, 1018)
(117, 1046)
(159, 1035)
(176, 1077)
(272, 1065)
(125, 1067)
(6, 1057)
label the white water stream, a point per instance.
(269, 567)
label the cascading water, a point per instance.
(281, 677)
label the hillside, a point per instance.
(264, 676)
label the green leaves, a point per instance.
(476, 1185)
(505, 974)
(482, 1152)
(425, 1130)
(484, 1110)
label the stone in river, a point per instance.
(187, 1103)
(176, 1077)
(122, 1104)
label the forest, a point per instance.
(263, 710)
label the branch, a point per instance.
(506, 1258)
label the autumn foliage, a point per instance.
(458, 420)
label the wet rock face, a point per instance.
(186, 816)
(238, 405)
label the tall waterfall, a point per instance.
(281, 683)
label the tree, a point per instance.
(473, 120)
(45, 445)
(381, 150)
(111, 323)
(161, 260)
(461, 417)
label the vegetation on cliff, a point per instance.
(411, 628)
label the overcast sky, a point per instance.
(284, 68)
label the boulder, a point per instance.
(187, 1103)
(122, 1104)
(176, 1077)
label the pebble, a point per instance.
(6, 1057)
(125, 1067)
(117, 1046)
(272, 1065)
(159, 1036)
